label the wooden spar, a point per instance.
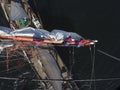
(48, 41)
(3, 7)
(42, 59)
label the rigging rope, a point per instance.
(13, 68)
(113, 57)
(61, 80)
(72, 58)
(12, 60)
(93, 67)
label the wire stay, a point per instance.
(113, 57)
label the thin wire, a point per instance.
(3, 56)
(93, 67)
(72, 59)
(61, 80)
(89, 80)
(113, 57)
(14, 68)
(26, 56)
(7, 61)
(12, 60)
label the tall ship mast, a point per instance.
(25, 44)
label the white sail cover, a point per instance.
(32, 32)
(62, 35)
(16, 11)
(4, 31)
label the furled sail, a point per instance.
(17, 12)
